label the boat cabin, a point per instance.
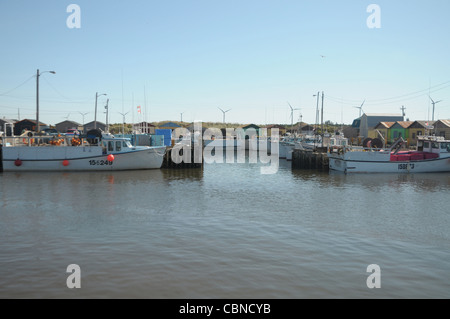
(433, 144)
(116, 145)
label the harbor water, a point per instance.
(224, 231)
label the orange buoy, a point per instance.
(18, 162)
(110, 158)
(66, 163)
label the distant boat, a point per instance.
(224, 143)
(95, 152)
(309, 142)
(431, 155)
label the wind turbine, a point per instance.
(292, 115)
(83, 115)
(123, 124)
(360, 107)
(224, 113)
(434, 103)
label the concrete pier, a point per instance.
(308, 159)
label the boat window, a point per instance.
(124, 144)
(435, 145)
(110, 146)
(118, 146)
(445, 147)
(127, 144)
(426, 145)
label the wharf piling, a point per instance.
(310, 159)
(168, 161)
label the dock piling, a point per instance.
(310, 159)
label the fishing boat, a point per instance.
(309, 142)
(286, 146)
(432, 154)
(97, 151)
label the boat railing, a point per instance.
(339, 149)
(47, 140)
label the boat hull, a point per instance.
(424, 166)
(288, 150)
(79, 159)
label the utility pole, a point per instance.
(403, 108)
(317, 113)
(37, 102)
(300, 125)
(106, 107)
(322, 116)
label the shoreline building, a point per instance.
(369, 121)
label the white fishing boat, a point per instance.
(230, 143)
(284, 147)
(95, 152)
(431, 155)
(289, 146)
(309, 142)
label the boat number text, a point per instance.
(100, 162)
(405, 166)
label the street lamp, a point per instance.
(37, 97)
(95, 116)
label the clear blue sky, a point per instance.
(250, 56)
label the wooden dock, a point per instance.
(169, 163)
(309, 159)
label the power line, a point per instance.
(396, 99)
(7, 92)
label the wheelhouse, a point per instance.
(116, 145)
(433, 144)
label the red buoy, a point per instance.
(111, 158)
(18, 162)
(66, 163)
